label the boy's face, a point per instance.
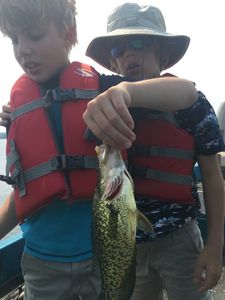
(136, 58)
(41, 51)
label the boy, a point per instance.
(46, 139)
(137, 45)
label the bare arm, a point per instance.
(108, 116)
(8, 218)
(210, 260)
(164, 93)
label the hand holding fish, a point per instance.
(109, 119)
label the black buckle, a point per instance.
(9, 180)
(50, 97)
(58, 95)
(68, 94)
(68, 162)
(75, 162)
(19, 181)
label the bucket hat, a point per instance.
(131, 19)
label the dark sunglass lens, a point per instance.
(116, 52)
(137, 44)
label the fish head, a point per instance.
(111, 169)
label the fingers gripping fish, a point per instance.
(115, 218)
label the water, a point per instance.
(5, 189)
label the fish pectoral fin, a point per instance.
(143, 223)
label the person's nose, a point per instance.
(128, 52)
(23, 48)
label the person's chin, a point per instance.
(136, 76)
(39, 77)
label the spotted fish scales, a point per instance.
(115, 219)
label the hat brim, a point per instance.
(174, 46)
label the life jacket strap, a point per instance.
(53, 96)
(58, 95)
(68, 162)
(6, 179)
(16, 177)
(12, 156)
(147, 150)
(160, 175)
(58, 163)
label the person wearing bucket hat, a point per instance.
(133, 20)
(173, 258)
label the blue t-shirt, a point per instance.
(61, 232)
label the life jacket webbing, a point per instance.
(25, 108)
(148, 150)
(12, 157)
(161, 175)
(167, 116)
(61, 162)
(54, 95)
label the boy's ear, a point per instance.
(70, 36)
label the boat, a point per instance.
(11, 279)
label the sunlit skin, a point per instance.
(41, 51)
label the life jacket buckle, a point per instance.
(67, 94)
(68, 162)
(58, 95)
(49, 97)
(19, 181)
(75, 162)
(59, 162)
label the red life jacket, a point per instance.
(40, 171)
(162, 159)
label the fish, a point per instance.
(115, 220)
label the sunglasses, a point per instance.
(135, 44)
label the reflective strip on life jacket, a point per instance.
(162, 159)
(161, 175)
(147, 150)
(55, 95)
(41, 172)
(61, 162)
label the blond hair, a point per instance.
(27, 13)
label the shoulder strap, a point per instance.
(54, 95)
